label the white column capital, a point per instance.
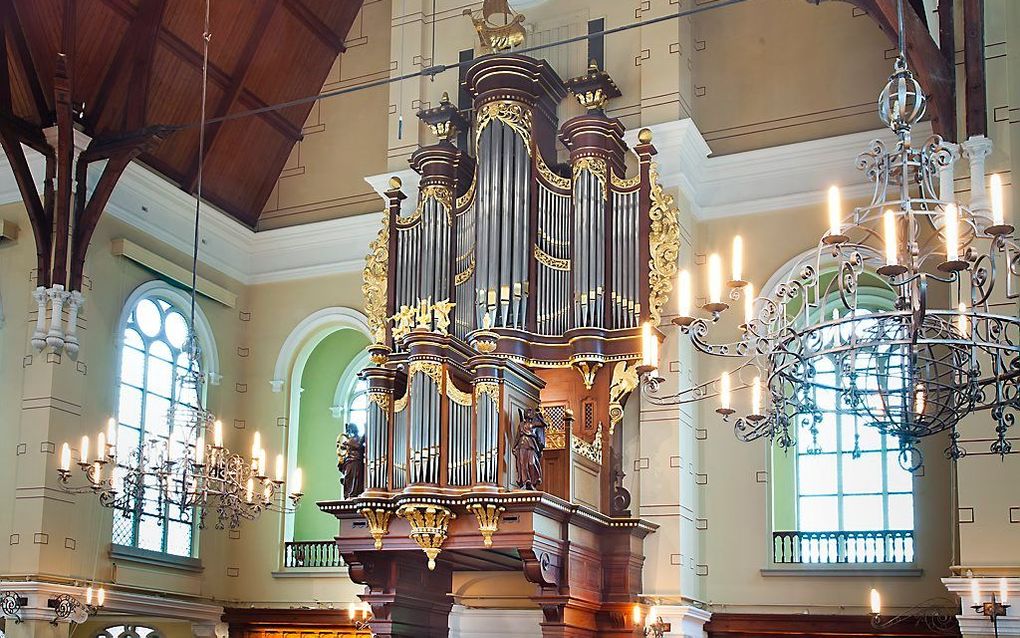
(977, 147)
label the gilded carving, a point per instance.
(588, 370)
(597, 167)
(373, 285)
(493, 36)
(382, 399)
(514, 114)
(490, 388)
(441, 315)
(488, 515)
(591, 451)
(455, 394)
(378, 523)
(664, 247)
(462, 277)
(469, 196)
(403, 322)
(625, 380)
(624, 183)
(400, 404)
(429, 524)
(549, 176)
(432, 369)
(549, 261)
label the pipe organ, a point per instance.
(508, 306)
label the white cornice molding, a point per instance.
(758, 181)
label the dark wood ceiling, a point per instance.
(138, 63)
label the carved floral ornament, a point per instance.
(664, 247)
(373, 285)
(514, 114)
(429, 525)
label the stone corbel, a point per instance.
(40, 296)
(977, 149)
(74, 303)
(55, 337)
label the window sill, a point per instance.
(909, 570)
(159, 559)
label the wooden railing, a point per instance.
(312, 554)
(883, 546)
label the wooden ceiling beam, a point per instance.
(233, 91)
(933, 72)
(312, 22)
(42, 225)
(974, 67)
(26, 61)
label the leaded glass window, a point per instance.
(153, 359)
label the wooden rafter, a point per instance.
(315, 25)
(927, 61)
(974, 66)
(136, 52)
(39, 217)
(13, 29)
(233, 91)
(65, 158)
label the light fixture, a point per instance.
(915, 369)
(183, 469)
(938, 615)
(69, 608)
(655, 626)
(364, 610)
(11, 603)
(992, 609)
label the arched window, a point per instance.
(153, 357)
(350, 401)
(128, 631)
(842, 496)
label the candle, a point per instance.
(724, 391)
(97, 473)
(65, 457)
(835, 214)
(748, 304)
(715, 283)
(111, 433)
(200, 450)
(962, 324)
(88, 595)
(919, 401)
(1003, 591)
(84, 449)
(738, 258)
(653, 615)
(636, 615)
(876, 602)
(279, 468)
(101, 597)
(351, 611)
(975, 592)
(218, 434)
(684, 293)
(263, 465)
(249, 489)
(952, 232)
(998, 210)
(890, 239)
(100, 446)
(649, 347)
(756, 396)
(256, 444)
(296, 489)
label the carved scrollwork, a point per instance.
(514, 114)
(664, 247)
(455, 394)
(549, 176)
(597, 167)
(549, 261)
(591, 451)
(373, 285)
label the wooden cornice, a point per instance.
(743, 625)
(244, 617)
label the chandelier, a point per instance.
(183, 470)
(946, 345)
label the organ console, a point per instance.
(516, 285)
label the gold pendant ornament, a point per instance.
(429, 524)
(488, 516)
(378, 523)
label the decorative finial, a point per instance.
(445, 99)
(395, 183)
(644, 136)
(593, 65)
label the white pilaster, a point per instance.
(495, 623)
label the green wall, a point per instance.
(784, 489)
(317, 431)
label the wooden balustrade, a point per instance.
(312, 554)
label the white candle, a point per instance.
(200, 450)
(890, 239)
(218, 434)
(876, 602)
(256, 444)
(279, 468)
(724, 391)
(1003, 591)
(351, 611)
(88, 595)
(111, 433)
(998, 208)
(919, 401)
(684, 293)
(649, 347)
(749, 304)
(715, 282)
(738, 258)
(756, 396)
(296, 481)
(65, 457)
(636, 615)
(97, 473)
(962, 323)
(952, 232)
(84, 450)
(101, 597)
(249, 489)
(975, 592)
(100, 446)
(835, 214)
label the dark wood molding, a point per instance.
(251, 617)
(741, 625)
(974, 67)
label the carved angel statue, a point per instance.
(441, 314)
(528, 448)
(403, 321)
(350, 454)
